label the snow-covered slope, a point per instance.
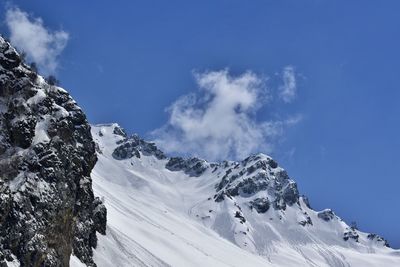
(188, 212)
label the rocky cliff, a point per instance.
(47, 206)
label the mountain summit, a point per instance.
(72, 194)
(171, 211)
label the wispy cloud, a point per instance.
(219, 122)
(287, 91)
(40, 44)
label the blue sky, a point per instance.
(128, 61)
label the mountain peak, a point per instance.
(253, 203)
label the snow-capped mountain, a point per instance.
(168, 211)
(72, 194)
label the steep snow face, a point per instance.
(188, 212)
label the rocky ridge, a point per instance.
(47, 207)
(257, 184)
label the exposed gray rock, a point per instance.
(240, 216)
(290, 193)
(176, 164)
(326, 215)
(47, 206)
(120, 131)
(255, 174)
(307, 221)
(378, 238)
(261, 205)
(133, 146)
(351, 234)
(191, 166)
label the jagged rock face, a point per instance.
(378, 238)
(192, 166)
(255, 174)
(326, 215)
(261, 204)
(247, 178)
(132, 146)
(351, 233)
(47, 206)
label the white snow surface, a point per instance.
(158, 217)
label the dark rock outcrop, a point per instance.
(133, 146)
(240, 216)
(378, 238)
(255, 174)
(47, 206)
(306, 221)
(191, 166)
(351, 234)
(120, 131)
(261, 205)
(326, 215)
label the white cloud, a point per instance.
(287, 92)
(29, 35)
(219, 122)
